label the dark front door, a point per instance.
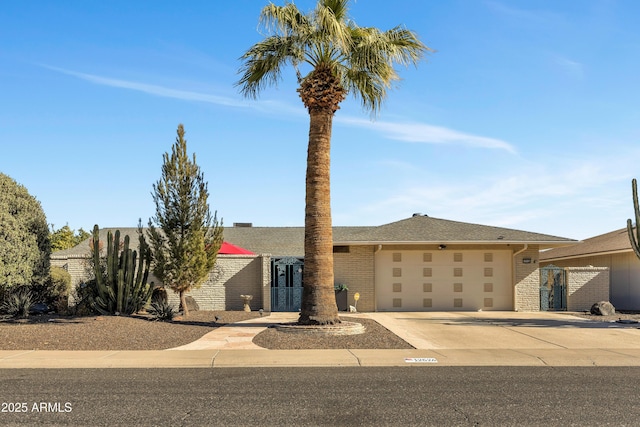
(553, 288)
(286, 283)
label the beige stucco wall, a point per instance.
(357, 270)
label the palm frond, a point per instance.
(264, 61)
(363, 58)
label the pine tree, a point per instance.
(185, 238)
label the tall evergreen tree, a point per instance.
(24, 237)
(342, 59)
(66, 238)
(185, 238)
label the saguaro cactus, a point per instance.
(634, 234)
(122, 288)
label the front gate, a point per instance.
(553, 288)
(286, 283)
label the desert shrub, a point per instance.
(24, 237)
(83, 296)
(55, 290)
(18, 302)
(59, 283)
(161, 309)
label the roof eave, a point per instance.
(547, 243)
(591, 254)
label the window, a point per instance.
(397, 257)
(457, 272)
(488, 302)
(488, 257)
(397, 302)
(488, 287)
(427, 257)
(427, 287)
(397, 287)
(488, 272)
(427, 302)
(427, 272)
(457, 302)
(397, 272)
(457, 257)
(457, 287)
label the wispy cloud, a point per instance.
(571, 68)
(429, 134)
(409, 132)
(519, 16)
(581, 195)
(153, 89)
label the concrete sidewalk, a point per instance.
(441, 339)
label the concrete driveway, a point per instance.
(507, 330)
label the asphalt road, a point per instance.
(408, 396)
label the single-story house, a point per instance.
(415, 264)
(610, 250)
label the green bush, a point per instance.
(24, 238)
(161, 309)
(18, 302)
(83, 296)
(59, 283)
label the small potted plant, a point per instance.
(341, 291)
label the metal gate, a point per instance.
(286, 283)
(553, 288)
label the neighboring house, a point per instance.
(416, 264)
(611, 250)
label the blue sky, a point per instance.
(526, 116)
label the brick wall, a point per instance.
(356, 270)
(234, 275)
(527, 281)
(75, 266)
(586, 286)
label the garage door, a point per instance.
(443, 280)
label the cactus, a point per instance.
(634, 235)
(122, 288)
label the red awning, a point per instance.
(230, 249)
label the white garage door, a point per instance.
(443, 280)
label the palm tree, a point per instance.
(343, 58)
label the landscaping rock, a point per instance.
(192, 305)
(603, 308)
(160, 295)
(39, 308)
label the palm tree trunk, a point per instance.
(318, 297)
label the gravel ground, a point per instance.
(621, 315)
(51, 332)
(375, 336)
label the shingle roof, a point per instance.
(614, 241)
(289, 241)
(424, 229)
(82, 249)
